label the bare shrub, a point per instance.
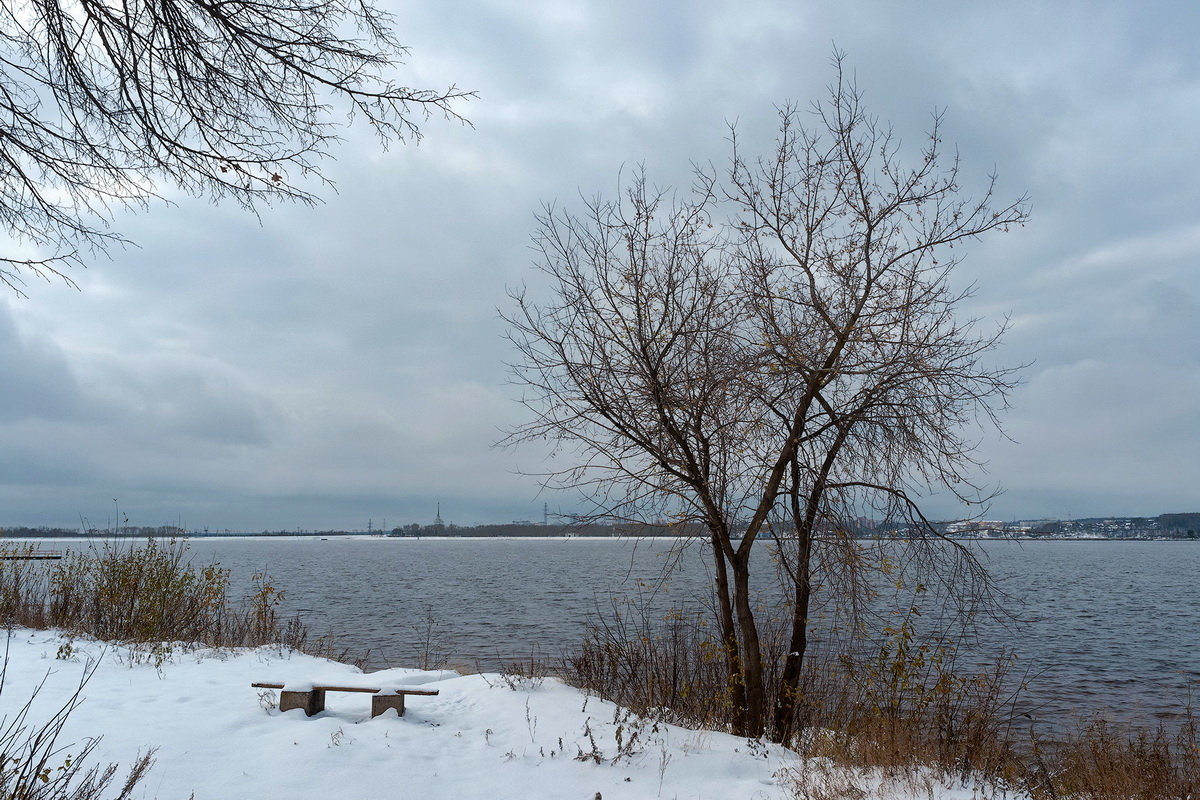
(524, 674)
(909, 699)
(431, 651)
(22, 585)
(673, 666)
(901, 703)
(149, 592)
(1103, 761)
(36, 765)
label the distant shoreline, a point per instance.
(1172, 526)
(364, 536)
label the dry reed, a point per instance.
(148, 592)
(901, 713)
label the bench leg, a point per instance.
(312, 702)
(382, 702)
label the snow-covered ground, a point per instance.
(483, 736)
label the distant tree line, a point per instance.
(863, 529)
(531, 529)
(1175, 526)
(1172, 526)
(132, 531)
(1189, 523)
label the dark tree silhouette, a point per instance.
(778, 353)
(106, 105)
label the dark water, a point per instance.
(476, 601)
(1106, 626)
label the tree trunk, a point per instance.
(788, 696)
(752, 671)
(729, 643)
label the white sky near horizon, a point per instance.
(319, 367)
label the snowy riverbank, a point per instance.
(483, 736)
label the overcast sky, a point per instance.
(325, 366)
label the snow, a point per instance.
(483, 736)
(477, 738)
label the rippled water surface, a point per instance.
(1106, 625)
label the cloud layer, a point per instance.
(325, 366)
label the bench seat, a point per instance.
(311, 697)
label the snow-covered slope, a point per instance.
(482, 737)
(489, 737)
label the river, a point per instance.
(1102, 626)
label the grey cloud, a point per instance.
(35, 378)
(324, 365)
(179, 401)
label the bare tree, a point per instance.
(796, 363)
(105, 105)
(636, 363)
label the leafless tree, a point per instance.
(106, 105)
(777, 353)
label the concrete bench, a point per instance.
(312, 700)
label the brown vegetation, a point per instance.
(1103, 761)
(148, 593)
(902, 715)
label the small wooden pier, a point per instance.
(30, 555)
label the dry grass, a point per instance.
(146, 593)
(903, 717)
(672, 668)
(911, 704)
(906, 698)
(1102, 761)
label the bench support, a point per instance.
(382, 702)
(311, 702)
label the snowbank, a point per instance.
(483, 736)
